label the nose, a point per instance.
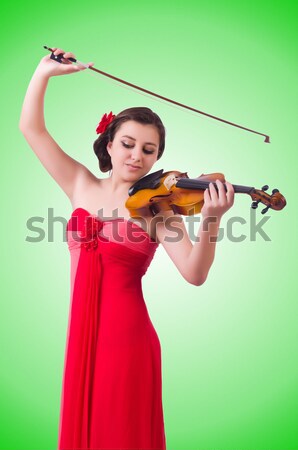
(136, 153)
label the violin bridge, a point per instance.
(169, 181)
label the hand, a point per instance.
(49, 67)
(217, 203)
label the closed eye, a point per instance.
(148, 152)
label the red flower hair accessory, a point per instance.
(104, 122)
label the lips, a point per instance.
(135, 167)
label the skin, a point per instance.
(193, 261)
(124, 150)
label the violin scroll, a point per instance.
(274, 201)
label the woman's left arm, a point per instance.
(194, 260)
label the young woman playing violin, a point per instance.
(112, 393)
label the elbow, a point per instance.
(198, 280)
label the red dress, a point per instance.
(112, 384)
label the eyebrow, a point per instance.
(151, 143)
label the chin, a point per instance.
(134, 177)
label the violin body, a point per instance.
(174, 190)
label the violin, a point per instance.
(174, 190)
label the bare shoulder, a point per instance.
(85, 181)
(85, 178)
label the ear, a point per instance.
(109, 145)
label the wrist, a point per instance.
(41, 75)
(211, 220)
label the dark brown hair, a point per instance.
(142, 115)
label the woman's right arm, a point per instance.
(65, 170)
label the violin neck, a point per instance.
(189, 183)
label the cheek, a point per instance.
(154, 159)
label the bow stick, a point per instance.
(59, 57)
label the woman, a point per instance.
(112, 385)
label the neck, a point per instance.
(117, 186)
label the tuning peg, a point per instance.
(265, 188)
(254, 205)
(265, 209)
(275, 191)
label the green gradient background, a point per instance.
(229, 347)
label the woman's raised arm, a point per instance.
(65, 170)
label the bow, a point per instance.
(58, 58)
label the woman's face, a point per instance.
(136, 145)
